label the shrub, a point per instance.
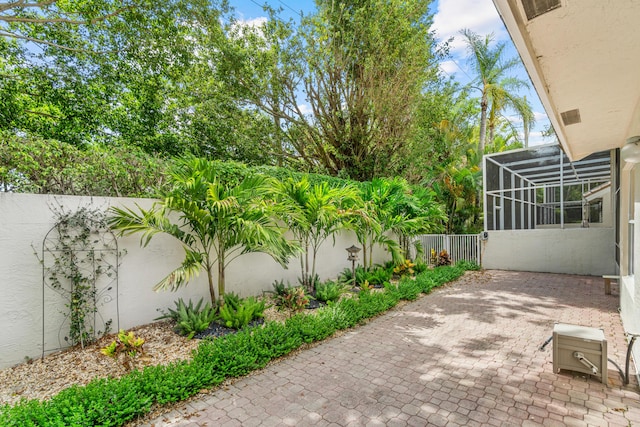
(189, 319)
(420, 267)
(279, 288)
(237, 313)
(294, 299)
(125, 348)
(405, 268)
(443, 258)
(329, 291)
(468, 265)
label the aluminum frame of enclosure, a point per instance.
(525, 188)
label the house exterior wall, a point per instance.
(587, 251)
(26, 218)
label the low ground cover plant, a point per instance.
(113, 402)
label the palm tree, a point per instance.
(312, 213)
(498, 90)
(389, 207)
(216, 223)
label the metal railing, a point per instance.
(458, 246)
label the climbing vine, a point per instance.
(80, 264)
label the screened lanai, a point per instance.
(539, 187)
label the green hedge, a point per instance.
(35, 165)
(113, 402)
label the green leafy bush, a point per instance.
(420, 267)
(36, 165)
(279, 288)
(238, 313)
(468, 265)
(329, 291)
(189, 319)
(375, 277)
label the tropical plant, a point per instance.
(126, 347)
(292, 299)
(406, 267)
(459, 189)
(389, 206)
(443, 258)
(238, 313)
(329, 291)
(215, 223)
(498, 90)
(312, 213)
(191, 319)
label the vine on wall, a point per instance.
(80, 260)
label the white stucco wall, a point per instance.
(588, 251)
(26, 218)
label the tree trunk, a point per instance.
(364, 255)
(221, 290)
(212, 289)
(483, 126)
(312, 284)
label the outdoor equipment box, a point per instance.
(580, 349)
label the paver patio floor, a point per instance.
(467, 354)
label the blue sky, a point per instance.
(450, 16)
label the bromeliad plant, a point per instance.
(191, 319)
(215, 222)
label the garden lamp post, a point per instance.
(353, 257)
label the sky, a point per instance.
(450, 16)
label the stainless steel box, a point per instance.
(580, 349)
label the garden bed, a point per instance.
(116, 401)
(42, 378)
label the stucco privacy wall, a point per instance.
(26, 218)
(588, 251)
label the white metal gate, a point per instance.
(458, 246)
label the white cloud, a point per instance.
(255, 22)
(540, 116)
(450, 67)
(305, 109)
(480, 16)
(536, 138)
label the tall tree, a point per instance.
(360, 67)
(498, 89)
(103, 70)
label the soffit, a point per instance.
(583, 55)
